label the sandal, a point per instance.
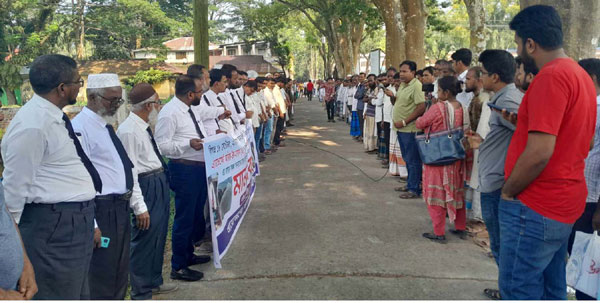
(434, 238)
(408, 195)
(493, 294)
(401, 188)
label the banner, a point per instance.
(231, 170)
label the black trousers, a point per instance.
(361, 121)
(148, 246)
(278, 129)
(309, 95)
(109, 269)
(59, 240)
(330, 110)
(386, 138)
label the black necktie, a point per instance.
(243, 100)
(208, 103)
(196, 123)
(84, 158)
(237, 108)
(127, 165)
(164, 165)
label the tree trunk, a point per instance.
(201, 32)
(356, 33)
(395, 50)
(478, 38)
(81, 45)
(11, 99)
(581, 24)
(415, 19)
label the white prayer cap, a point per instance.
(103, 81)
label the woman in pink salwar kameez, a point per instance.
(443, 186)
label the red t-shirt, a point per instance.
(560, 101)
(309, 86)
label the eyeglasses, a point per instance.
(80, 82)
(117, 101)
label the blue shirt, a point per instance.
(11, 251)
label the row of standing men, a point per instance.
(72, 186)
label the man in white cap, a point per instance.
(50, 184)
(150, 188)
(109, 268)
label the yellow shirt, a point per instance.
(409, 95)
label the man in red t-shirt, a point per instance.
(309, 90)
(545, 188)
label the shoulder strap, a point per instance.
(206, 100)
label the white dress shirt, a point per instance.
(235, 97)
(351, 100)
(174, 130)
(228, 101)
(95, 140)
(253, 104)
(209, 116)
(378, 102)
(269, 98)
(227, 125)
(463, 97)
(41, 164)
(388, 107)
(136, 141)
(279, 100)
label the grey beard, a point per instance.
(153, 118)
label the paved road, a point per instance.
(318, 228)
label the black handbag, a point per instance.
(444, 147)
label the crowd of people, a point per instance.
(527, 125)
(84, 209)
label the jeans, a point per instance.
(489, 212)
(268, 130)
(187, 181)
(410, 154)
(330, 110)
(533, 254)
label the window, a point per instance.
(180, 55)
(231, 51)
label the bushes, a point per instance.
(151, 76)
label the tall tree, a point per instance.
(395, 34)
(201, 54)
(415, 15)
(342, 23)
(405, 29)
(581, 24)
(478, 37)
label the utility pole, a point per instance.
(201, 32)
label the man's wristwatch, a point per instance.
(403, 123)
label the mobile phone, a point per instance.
(104, 241)
(498, 108)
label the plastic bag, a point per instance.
(583, 268)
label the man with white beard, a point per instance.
(109, 269)
(151, 188)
